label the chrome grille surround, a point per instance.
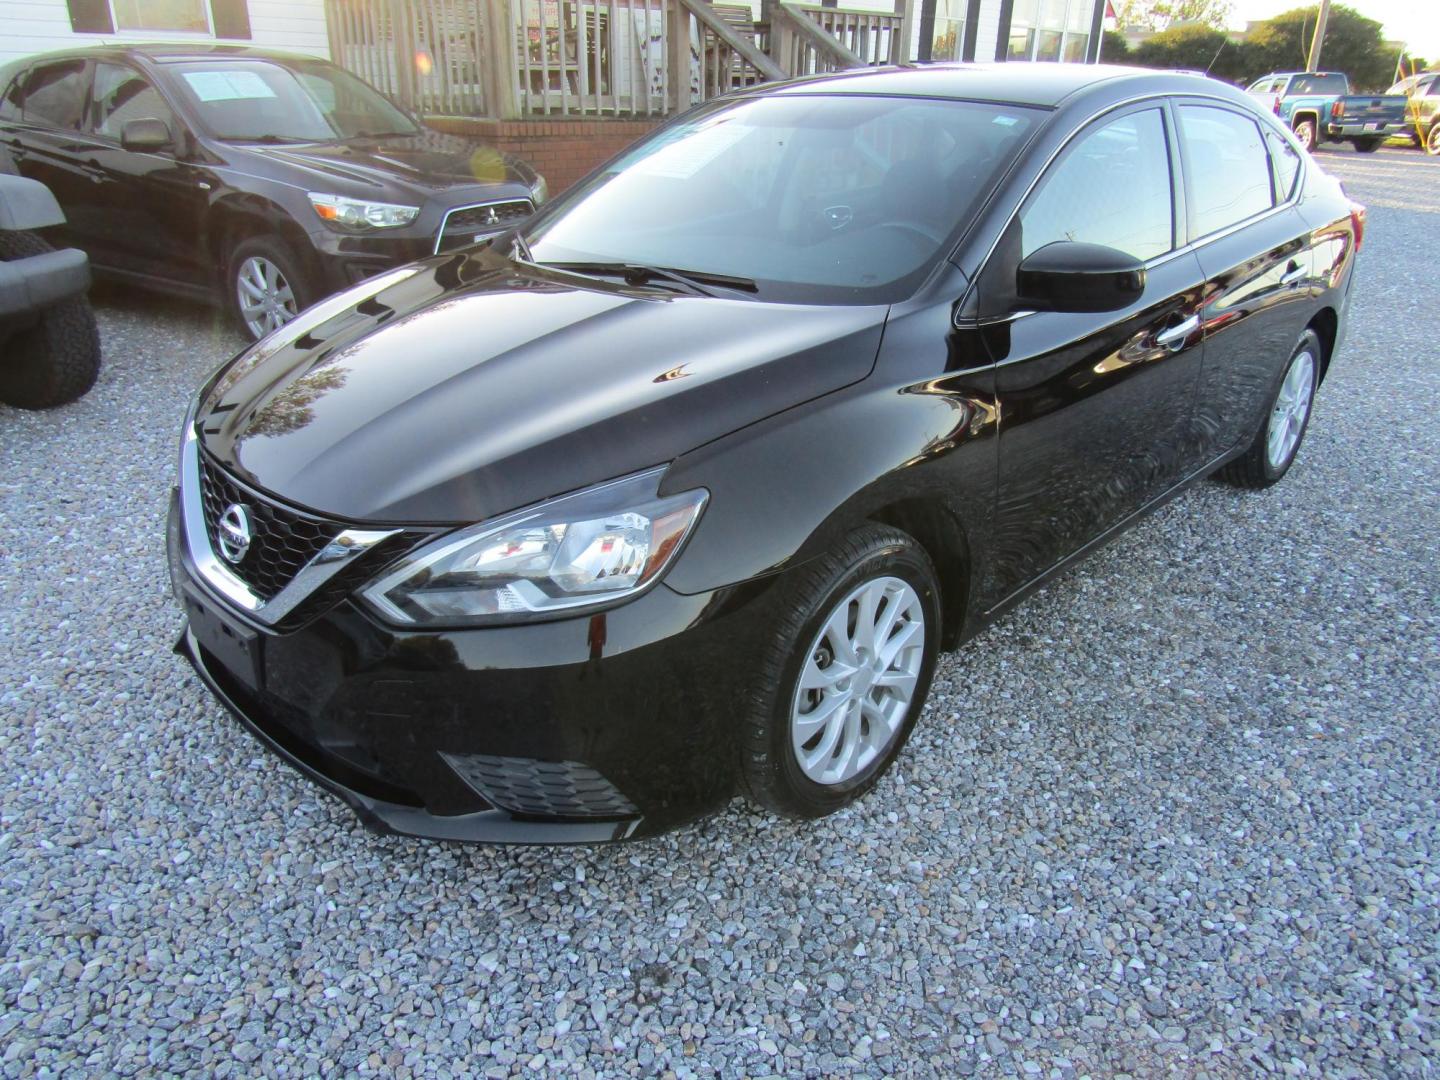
(463, 224)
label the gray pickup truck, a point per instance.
(49, 346)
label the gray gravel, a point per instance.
(1177, 813)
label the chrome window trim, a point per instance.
(329, 561)
(1163, 98)
(444, 221)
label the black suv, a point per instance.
(265, 180)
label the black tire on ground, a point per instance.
(276, 251)
(56, 358)
(1254, 469)
(1432, 141)
(1368, 144)
(771, 775)
(1306, 132)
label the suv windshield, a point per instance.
(298, 101)
(827, 199)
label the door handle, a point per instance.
(1293, 273)
(1175, 337)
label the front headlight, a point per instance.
(600, 545)
(359, 214)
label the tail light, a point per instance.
(1357, 223)
(1338, 110)
(1277, 104)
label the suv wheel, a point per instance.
(54, 358)
(266, 286)
(1432, 142)
(845, 675)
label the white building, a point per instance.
(36, 26)
(1046, 30)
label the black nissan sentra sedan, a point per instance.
(679, 489)
(260, 179)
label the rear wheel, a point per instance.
(55, 358)
(1368, 144)
(1305, 131)
(1273, 450)
(267, 286)
(845, 675)
(1432, 141)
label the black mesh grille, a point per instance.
(283, 540)
(462, 226)
(542, 788)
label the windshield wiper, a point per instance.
(378, 135)
(640, 274)
(266, 140)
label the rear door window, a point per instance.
(10, 102)
(1228, 168)
(55, 94)
(1285, 161)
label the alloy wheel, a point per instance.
(858, 680)
(267, 300)
(1305, 132)
(1432, 144)
(1292, 406)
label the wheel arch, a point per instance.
(239, 217)
(1326, 325)
(943, 537)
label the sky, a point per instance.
(1416, 22)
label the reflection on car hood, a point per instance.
(473, 386)
(429, 161)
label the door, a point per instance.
(1093, 407)
(1258, 266)
(152, 202)
(45, 142)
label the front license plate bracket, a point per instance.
(233, 644)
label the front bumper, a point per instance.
(605, 727)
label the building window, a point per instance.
(949, 37)
(185, 16)
(1050, 30)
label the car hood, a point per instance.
(429, 161)
(466, 386)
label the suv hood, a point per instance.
(467, 386)
(430, 161)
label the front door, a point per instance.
(1094, 408)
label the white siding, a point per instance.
(989, 30)
(35, 26)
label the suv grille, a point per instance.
(284, 540)
(462, 226)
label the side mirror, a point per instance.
(1070, 276)
(145, 136)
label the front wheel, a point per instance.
(266, 285)
(1305, 131)
(1368, 144)
(1275, 445)
(1432, 141)
(845, 675)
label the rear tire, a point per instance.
(54, 359)
(1368, 144)
(266, 285)
(856, 644)
(1276, 444)
(1432, 141)
(1306, 132)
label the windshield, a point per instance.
(814, 198)
(298, 101)
(1319, 84)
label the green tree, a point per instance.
(1164, 14)
(1114, 49)
(1352, 45)
(1194, 48)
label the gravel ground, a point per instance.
(1176, 813)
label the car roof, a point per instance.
(1042, 85)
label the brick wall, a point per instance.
(563, 150)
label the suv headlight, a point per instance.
(606, 543)
(359, 214)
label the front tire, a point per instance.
(1273, 451)
(266, 286)
(1306, 132)
(1432, 141)
(844, 676)
(54, 359)
(1368, 144)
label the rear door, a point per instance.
(1094, 408)
(1257, 255)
